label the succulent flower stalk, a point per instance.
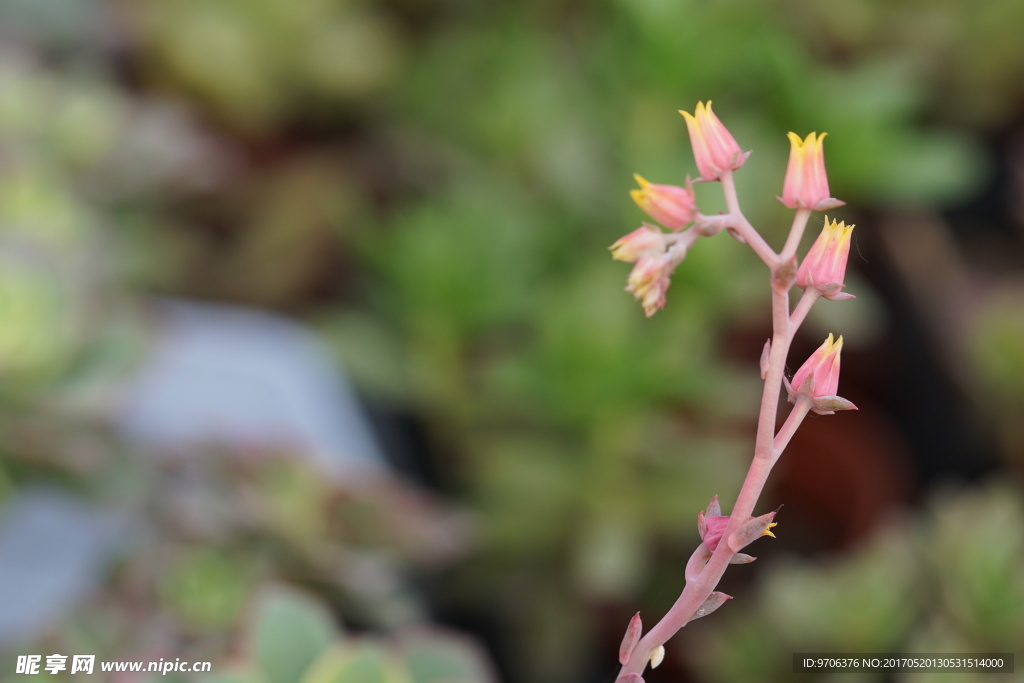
(655, 255)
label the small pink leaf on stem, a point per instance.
(714, 601)
(713, 509)
(741, 558)
(630, 640)
(831, 289)
(765, 353)
(827, 405)
(657, 656)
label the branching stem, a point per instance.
(768, 444)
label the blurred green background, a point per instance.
(430, 187)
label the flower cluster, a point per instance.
(717, 154)
(656, 249)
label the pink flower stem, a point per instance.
(803, 307)
(742, 226)
(679, 244)
(795, 233)
(768, 444)
(789, 427)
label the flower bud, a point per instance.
(752, 530)
(649, 280)
(818, 380)
(630, 640)
(672, 206)
(824, 267)
(714, 148)
(711, 529)
(647, 239)
(818, 377)
(806, 185)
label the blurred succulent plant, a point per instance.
(290, 638)
(206, 533)
(258, 63)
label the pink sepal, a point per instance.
(630, 640)
(714, 601)
(750, 531)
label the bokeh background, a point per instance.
(313, 362)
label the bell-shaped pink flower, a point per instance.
(714, 148)
(671, 205)
(806, 185)
(818, 379)
(822, 368)
(649, 280)
(645, 240)
(824, 267)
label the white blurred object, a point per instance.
(239, 376)
(53, 551)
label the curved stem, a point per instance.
(742, 226)
(695, 564)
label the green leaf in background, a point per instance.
(35, 338)
(435, 657)
(361, 661)
(289, 630)
(976, 544)
(206, 587)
